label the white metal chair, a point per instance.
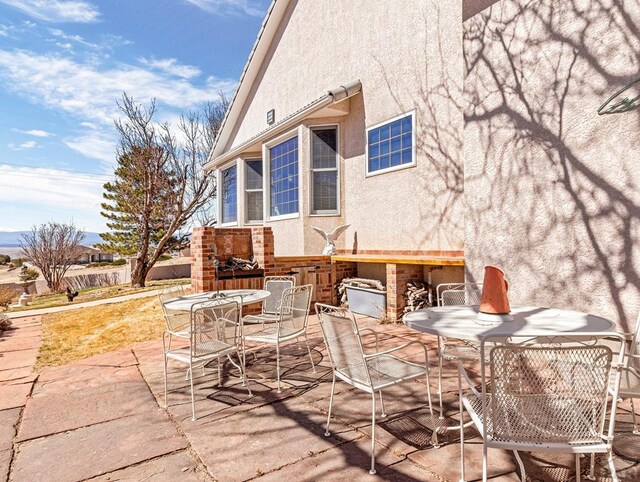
(630, 381)
(290, 324)
(453, 294)
(215, 332)
(372, 372)
(544, 394)
(176, 322)
(276, 286)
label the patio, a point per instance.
(101, 419)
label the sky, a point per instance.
(65, 63)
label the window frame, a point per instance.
(222, 168)
(266, 166)
(337, 211)
(245, 190)
(413, 162)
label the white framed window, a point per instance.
(228, 195)
(282, 179)
(253, 191)
(325, 170)
(391, 145)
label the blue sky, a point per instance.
(65, 63)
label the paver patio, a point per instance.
(102, 419)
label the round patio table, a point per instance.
(461, 322)
(184, 303)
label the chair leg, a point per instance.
(523, 472)
(382, 414)
(461, 426)
(612, 468)
(635, 423)
(193, 400)
(278, 365)
(484, 461)
(309, 350)
(219, 373)
(440, 376)
(333, 386)
(592, 468)
(577, 467)
(373, 433)
(164, 353)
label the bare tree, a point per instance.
(160, 186)
(53, 248)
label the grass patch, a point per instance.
(93, 294)
(76, 334)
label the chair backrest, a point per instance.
(546, 390)
(449, 294)
(215, 326)
(276, 285)
(169, 294)
(634, 348)
(294, 308)
(342, 339)
(175, 320)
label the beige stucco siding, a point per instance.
(408, 60)
(551, 188)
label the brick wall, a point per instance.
(397, 277)
(339, 271)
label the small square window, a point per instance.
(390, 145)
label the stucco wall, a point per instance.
(415, 65)
(551, 188)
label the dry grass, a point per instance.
(76, 334)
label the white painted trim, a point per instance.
(336, 212)
(413, 162)
(219, 192)
(253, 222)
(266, 166)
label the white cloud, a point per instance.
(23, 146)
(56, 32)
(57, 10)
(94, 145)
(51, 187)
(35, 132)
(230, 7)
(90, 90)
(172, 67)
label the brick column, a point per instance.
(202, 270)
(397, 277)
(263, 248)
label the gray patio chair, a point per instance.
(371, 372)
(275, 285)
(215, 332)
(544, 394)
(456, 294)
(290, 324)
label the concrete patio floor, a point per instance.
(102, 419)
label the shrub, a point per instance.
(5, 259)
(7, 295)
(30, 274)
(17, 262)
(164, 257)
(119, 262)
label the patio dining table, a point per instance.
(184, 303)
(461, 322)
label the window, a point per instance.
(324, 170)
(283, 182)
(253, 190)
(229, 185)
(390, 145)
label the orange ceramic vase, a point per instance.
(494, 299)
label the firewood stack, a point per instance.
(360, 283)
(417, 296)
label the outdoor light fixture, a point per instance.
(271, 116)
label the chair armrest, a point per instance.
(375, 333)
(462, 373)
(397, 348)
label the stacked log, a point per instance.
(358, 282)
(417, 296)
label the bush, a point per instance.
(119, 262)
(164, 257)
(17, 262)
(30, 274)
(7, 295)
(5, 259)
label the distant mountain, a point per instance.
(12, 238)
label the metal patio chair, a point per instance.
(275, 285)
(545, 394)
(630, 382)
(371, 372)
(290, 324)
(215, 333)
(176, 322)
(456, 294)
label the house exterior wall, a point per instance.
(415, 66)
(551, 188)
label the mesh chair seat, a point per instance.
(261, 318)
(207, 350)
(629, 383)
(270, 334)
(562, 423)
(384, 370)
(455, 350)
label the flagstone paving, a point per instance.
(102, 418)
